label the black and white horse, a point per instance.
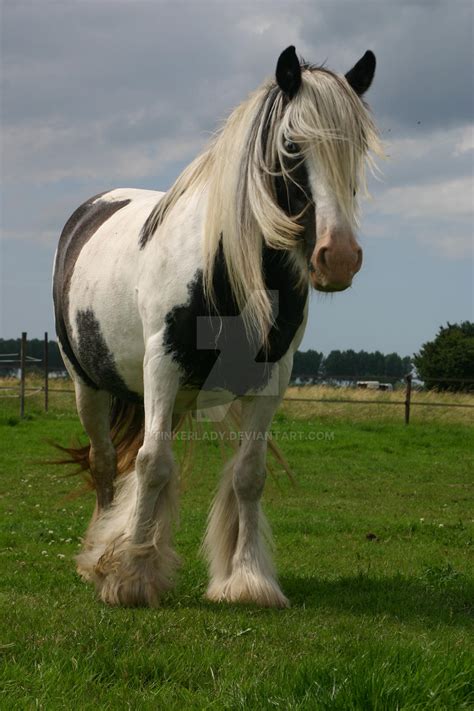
(175, 302)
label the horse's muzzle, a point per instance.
(334, 262)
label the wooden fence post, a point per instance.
(407, 399)
(22, 373)
(46, 370)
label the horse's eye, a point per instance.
(291, 147)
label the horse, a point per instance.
(170, 303)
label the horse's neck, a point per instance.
(281, 268)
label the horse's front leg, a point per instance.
(138, 568)
(238, 535)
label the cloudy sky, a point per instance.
(108, 93)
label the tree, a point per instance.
(449, 357)
(334, 364)
(396, 367)
(365, 365)
(306, 364)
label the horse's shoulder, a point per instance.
(209, 341)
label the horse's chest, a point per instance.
(211, 345)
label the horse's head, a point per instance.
(322, 142)
(283, 172)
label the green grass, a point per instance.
(374, 549)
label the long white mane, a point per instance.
(332, 127)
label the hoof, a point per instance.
(245, 586)
(143, 591)
(86, 562)
(135, 576)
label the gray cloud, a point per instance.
(82, 79)
(424, 56)
(107, 93)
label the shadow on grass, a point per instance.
(431, 599)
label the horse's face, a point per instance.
(331, 249)
(336, 256)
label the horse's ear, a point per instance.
(288, 72)
(361, 75)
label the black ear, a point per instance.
(361, 75)
(288, 72)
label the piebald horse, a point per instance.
(173, 302)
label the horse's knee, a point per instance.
(249, 476)
(154, 465)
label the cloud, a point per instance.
(453, 245)
(424, 56)
(465, 144)
(136, 79)
(450, 198)
(93, 150)
(119, 92)
(427, 193)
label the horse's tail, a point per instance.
(126, 432)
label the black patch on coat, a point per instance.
(293, 193)
(295, 198)
(97, 360)
(209, 341)
(80, 227)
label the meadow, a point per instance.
(374, 545)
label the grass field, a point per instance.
(374, 548)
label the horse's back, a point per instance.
(94, 281)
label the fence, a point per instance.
(22, 360)
(407, 402)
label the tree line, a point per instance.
(445, 363)
(311, 365)
(307, 365)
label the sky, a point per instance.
(109, 93)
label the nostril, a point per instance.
(359, 259)
(322, 257)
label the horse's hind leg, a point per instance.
(93, 407)
(240, 563)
